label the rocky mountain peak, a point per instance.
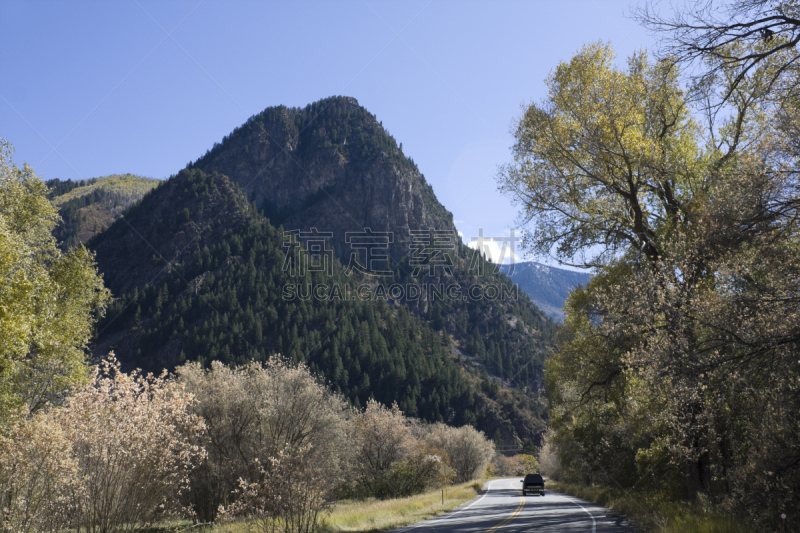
(331, 166)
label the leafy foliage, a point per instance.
(677, 363)
(112, 458)
(48, 299)
(609, 158)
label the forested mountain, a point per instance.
(329, 165)
(548, 287)
(87, 207)
(333, 167)
(201, 272)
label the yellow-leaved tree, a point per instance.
(610, 161)
(49, 299)
(676, 368)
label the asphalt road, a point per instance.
(503, 509)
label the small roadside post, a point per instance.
(783, 522)
(444, 471)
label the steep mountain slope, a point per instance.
(547, 286)
(198, 274)
(332, 166)
(203, 272)
(88, 207)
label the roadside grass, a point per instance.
(172, 526)
(654, 513)
(365, 516)
(373, 515)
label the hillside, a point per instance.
(547, 286)
(200, 277)
(329, 165)
(203, 269)
(333, 167)
(88, 207)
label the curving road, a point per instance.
(503, 509)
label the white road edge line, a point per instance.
(594, 524)
(429, 522)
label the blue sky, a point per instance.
(96, 88)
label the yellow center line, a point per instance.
(515, 513)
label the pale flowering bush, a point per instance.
(256, 414)
(288, 497)
(134, 440)
(397, 456)
(267, 443)
(507, 466)
(36, 468)
(389, 461)
(468, 449)
(113, 458)
(550, 463)
(383, 437)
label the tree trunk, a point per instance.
(698, 476)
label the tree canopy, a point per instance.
(676, 366)
(48, 299)
(611, 158)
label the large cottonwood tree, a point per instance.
(49, 299)
(609, 159)
(690, 220)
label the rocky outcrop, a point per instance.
(329, 166)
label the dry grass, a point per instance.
(371, 515)
(654, 513)
(381, 515)
(117, 183)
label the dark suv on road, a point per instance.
(533, 483)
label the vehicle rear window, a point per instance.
(534, 478)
